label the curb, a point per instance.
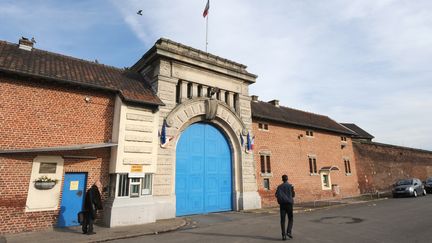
(140, 234)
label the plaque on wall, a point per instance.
(47, 168)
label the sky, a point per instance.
(366, 62)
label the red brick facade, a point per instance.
(33, 115)
(289, 148)
(380, 165)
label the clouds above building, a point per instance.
(360, 61)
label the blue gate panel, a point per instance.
(203, 171)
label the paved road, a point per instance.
(392, 220)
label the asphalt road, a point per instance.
(392, 220)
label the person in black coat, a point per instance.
(92, 203)
(285, 194)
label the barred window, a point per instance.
(309, 133)
(347, 166)
(123, 189)
(265, 164)
(312, 165)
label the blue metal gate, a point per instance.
(203, 171)
(72, 199)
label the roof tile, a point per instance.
(131, 85)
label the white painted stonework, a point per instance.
(43, 200)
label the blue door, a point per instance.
(72, 199)
(203, 171)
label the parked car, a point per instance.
(428, 185)
(408, 187)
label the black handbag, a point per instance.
(81, 216)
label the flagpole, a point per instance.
(207, 31)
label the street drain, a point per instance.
(339, 220)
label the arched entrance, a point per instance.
(203, 171)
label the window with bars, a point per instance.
(123, 185)
(312, 165)
(265, 163)
(343, 139)
(133, 187)
(263, 126)
(309, 133)
(347, 166)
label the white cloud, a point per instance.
(361, 61)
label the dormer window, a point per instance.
(309, 133)
(262, 126)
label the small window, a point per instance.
(312, 165)
(123, 189)
(325, 181)
(343, 139)
(309, 133)
(263, 126)
(147, 184)
(347, 166)
(266, 184)
(265, 164)
(135, 184)
(47, 168)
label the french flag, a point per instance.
(206, 9)
(249, 142)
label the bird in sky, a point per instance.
(139, 12)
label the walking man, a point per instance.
(92, 203)
(285, 194)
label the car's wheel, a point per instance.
(415, 193)
(424, 192)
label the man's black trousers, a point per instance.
(286, 209)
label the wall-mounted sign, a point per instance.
(73, 186)
(47, 168)
(136, 171)
(136, 168)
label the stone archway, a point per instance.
(193, 111)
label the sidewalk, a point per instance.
(74, 234)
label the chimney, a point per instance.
(254, 98)
(25, 44)
(274, 102)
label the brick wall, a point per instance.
(36, 114)
(289, 155)
(15, 173)
(380, 165)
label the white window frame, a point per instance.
(133, 182)
(315, 166)
(323, 186)
(310, 133)
(264, 126)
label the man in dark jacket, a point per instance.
(92, 203)
(285, 194)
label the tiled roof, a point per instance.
(267, 111)
(360, 132)
(47, 65)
